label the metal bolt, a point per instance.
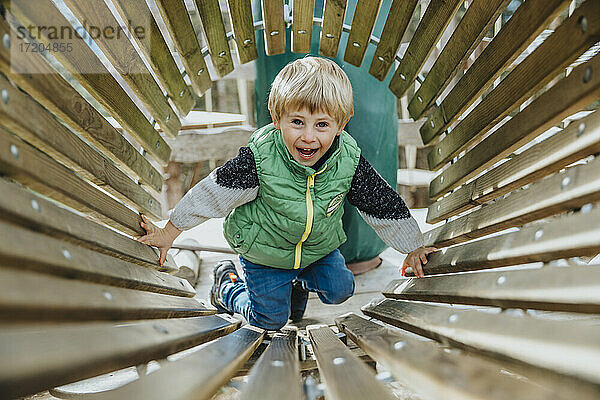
(432, 123)
(565, 182)
(453, 318)
(587, 75)
(381, 59)
(150, 202)
(247, 42)
(66, 254)
(5, 96)
(182, 93)
(501, 280)
(356, 44)
(200, 71)
(274, 33)
(168, 118)
(586, 208)
(160, 328)
(35, 205)
(438, 207)
(420, 99)
(399, 345)
(107, 295)
(581, 129)
(339, 360)
(442, 179)
(584, 23)
(302, 32)
(222, 54)
(157, 145)
(14, 150)
(151, 173)
(277, 363)
(6, 40)
(329, 36)
(538, 234)
(439, 151)
(402, 77)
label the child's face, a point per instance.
(306, 135)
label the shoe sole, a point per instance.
(214, 299)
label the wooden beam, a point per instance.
(435, 20)
(399, 17)
(302, 25)
(214, 30)
(45, 356)
(196, 147)
(467, 35)
(568, 96)
(359, 37)
(331, 29)
(182, 32)
(274, 26)
(100, 84)
(240, 13)
(530, 19)
(346, 375)
(571, 39)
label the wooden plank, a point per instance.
(467, 35)
(214, 30)
(46, 133)
(195, 147)
(331, 29)
(240, 13)
(434, 373)
(101, 84)
(572, 289)
(568, 96)
(435, 20)
(359, 37)
(126, 60)
(276, 375)
(561, 192)
(530, 19)
(563, 352)
(30, 296)
(156, 51)
(399, 17)
(24, 163)
(182, 32)
(45, 356)
(564, 237)
(561, 48)
(198, 375)
(28, 209)
(345, 375)
(60, 98)
(302, 25)
(274, 26)
(28, 250)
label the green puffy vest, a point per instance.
(296, 218)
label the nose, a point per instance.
(308, 135)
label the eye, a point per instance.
(322, 124)
(296, 121)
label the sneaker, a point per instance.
(298, 301)
(223, 272)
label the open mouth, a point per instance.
(306, 153)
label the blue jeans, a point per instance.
(264, 298)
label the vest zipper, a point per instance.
(310, 182)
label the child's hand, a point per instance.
(415, 258)
(157, 237)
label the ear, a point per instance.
(343, 127)
(275, 122)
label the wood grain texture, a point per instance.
(331, 29)
(345, 375)
(568, 96)
(530, 19)
(214, 30)
(302, 25)
(240, 13)
(45, 356)
(435, 20)
(363, 23)
(399, 16)
(180, 28)
(157, 52)
(101, 85)
(568, 42)
(467, 35)
(274, 24)
(194, 147)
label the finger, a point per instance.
(423, 258)
(430, 250)
(418, 270)
(403, 269)
(163, 256)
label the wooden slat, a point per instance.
(157, 52)
(578, 140)
(561, 192)
(467, 35)
(302, 25)
(435, 20)
(198, 375)
(568, 96)
(331, 29)
(564, 237)
(572, 289)
(28, 209)
(24, 163)
(214, 30)
(363, 23)
(101, 85)
(567, 43)
(564, 350)
(399, 16)
(49, 135)
(182, 32)
(240, 13)
(28, 250)
(59, 97)
(345, 375)
(525, 25)
(274, 24)
(125, 58)
(43, 356)
(437, 374)
(276, 375)
(32, 296)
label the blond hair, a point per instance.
(315, 83)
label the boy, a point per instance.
(283, 198)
